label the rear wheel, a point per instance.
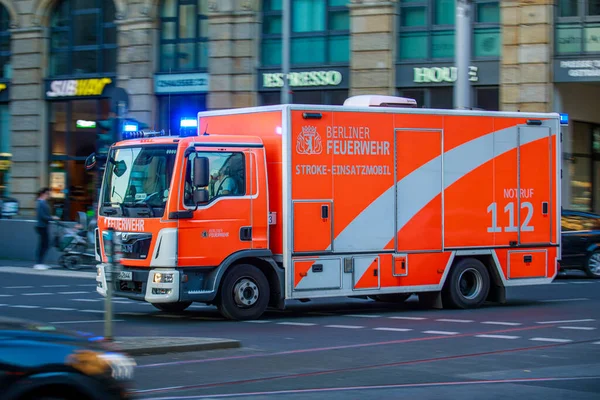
(592, 267)
(244, 293)
(172, 307)
(468, 284)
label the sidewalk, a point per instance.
(154, 345)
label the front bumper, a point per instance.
(142, 285)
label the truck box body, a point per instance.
(353, 201)
(381, 200)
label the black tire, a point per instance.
(172, 307)
(468, 284)
(252, 288)
(392, 297)
(592, 265)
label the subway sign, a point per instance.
(87, 87)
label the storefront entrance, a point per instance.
(72, 129)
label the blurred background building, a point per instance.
(62, 63)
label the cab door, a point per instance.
(222, 226)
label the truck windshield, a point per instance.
(137, 181)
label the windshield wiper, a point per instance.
(143, 204)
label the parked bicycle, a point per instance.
(76, 243)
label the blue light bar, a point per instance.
(142, 134)
(564, 119)
(130, 127)
(188, 123)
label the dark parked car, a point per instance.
(581, 242)
(39, 361)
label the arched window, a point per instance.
(183, 35)
(320, 32)
(5, 70)
(83, 38)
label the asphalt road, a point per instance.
(544, 343)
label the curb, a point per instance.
(154, 345)
(48, 272)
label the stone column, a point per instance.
(234, 34)
(373, 46)
(527, 43)
(29, 137)
(136, 57)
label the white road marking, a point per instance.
(392, 329)
(582, 283)
(258, 321)
(362, 315)
(441, 333)
(541, 339)
(59, 309)
(596, 343)
(566, 321)
(559, 283)
(54, 286)
(409, 318)
(86, 285)
(578, 328)
(75, 292)
(121, 301)
(497, 336)
(87, 300)
(18, 287)
(344, 326)
(502, 323)
(6, 295)
(455, 320)
(93, 311)
(84, 322)
(37, 294)
(563, 300)
(20, 306)
(296, 323)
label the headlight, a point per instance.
(98, 271)
(163, 277)
(122, 366)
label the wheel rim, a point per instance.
(245, 292)
(470, 283)
(594, 264)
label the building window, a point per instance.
(320, 32)
(485, 98)
(427, 30)
(83, 38)
(5, 71)
(577, 27)
(585, 167)
(183, 35)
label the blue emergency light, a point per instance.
(564, 119)
(142, 134)
(130, 127)
(188, 123)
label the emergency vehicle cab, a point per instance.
(375, 199)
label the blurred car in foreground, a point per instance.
(40, 361)
(581, 242)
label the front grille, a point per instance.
(130, 286)
(134, 246)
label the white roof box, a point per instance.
(368, 100)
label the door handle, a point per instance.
(324, 211)
(545, 208)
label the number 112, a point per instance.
(510, 209)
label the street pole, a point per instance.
(108, 312)
(285, 50)
(462, 87)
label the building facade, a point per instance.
(67, 63)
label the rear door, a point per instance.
(529, 211)
(224, 225)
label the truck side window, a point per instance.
(227, 175)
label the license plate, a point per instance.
(125, 276)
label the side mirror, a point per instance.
(200, 196)
(90, 162)
(201, 172)
(120, 168)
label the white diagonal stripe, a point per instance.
(553, 340)
(392, 329)
(502, 323)
(497, 336)
(441, 333)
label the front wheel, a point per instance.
(244, 293)
(468, 284)
(592, 267)
(172, 307)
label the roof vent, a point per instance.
(380, 101)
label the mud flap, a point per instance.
(497, 294)
(431, 300)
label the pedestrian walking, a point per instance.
(44, 216)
